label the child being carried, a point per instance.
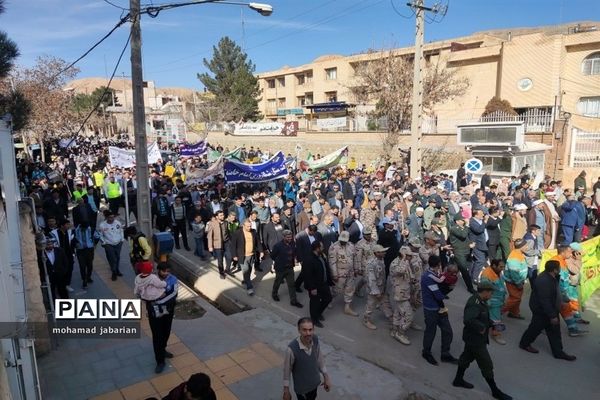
(150, 287)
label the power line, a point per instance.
(399, 13)
(350, 10)
(122, 20)
(250, 35)
(115, 5)
(106, 89)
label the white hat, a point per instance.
(539, 201)
(550, 194)
(406, 194)
(302, 183)
(419, 209)
(520, 207)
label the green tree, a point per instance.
(232, 82)
(12, 101)
(83, 103)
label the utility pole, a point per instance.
(144, 220)
(416, 132)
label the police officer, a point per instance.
(342, 262)
(461, 247)
(375, 271)
(475, 335)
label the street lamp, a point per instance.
(139, 113)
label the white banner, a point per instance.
(123, 158)
(258, 128)
(200, 175)
(331, 123)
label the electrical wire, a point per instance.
(115, 5)
(122, 20)
(399, 13)
(106, 90)
(347, 11)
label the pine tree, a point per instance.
(11, 101)
(232, 82)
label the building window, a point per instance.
(281, 102)
(589, 106)
(281, 82)
(497, 164)
(271, 104)
(331, 96)
(300, 101)
(300, 79)
(271, 83)
(308, 77)
(591, 64)
(308, 99)
(331, 74)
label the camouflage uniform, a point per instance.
(403, 286)
(426, 251)
(368, 216)
(416, 268)
(364, 251)
(375, 272)
(342, 260)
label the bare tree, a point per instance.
(387, 81)
(51, 105)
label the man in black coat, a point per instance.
(244, 258)
(56, 206)
(318, 282)
(284, 257)
(493, 231)
(273, 232)
(57, 268)
(304, 240)
(351, 225)
(544, 302)
(477, 235)
(83, 213)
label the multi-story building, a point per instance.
(550, 75)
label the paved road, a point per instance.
(520, 374)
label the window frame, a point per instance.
(328, 76)
(584, 102)
(593, 61)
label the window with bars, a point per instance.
(271, 83)
(281, 82)
(589, 106)
(591, 64)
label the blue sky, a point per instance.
(175, 42)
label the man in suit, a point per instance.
(243, 254)
(56, 267)
(284, 256)
(317, 281)
(83, 213)
(353, 226)
(328, 232)
(273, 232)
(478, 235)
(304, 240)
(493, 232)
(544, 303)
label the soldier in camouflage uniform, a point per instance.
(364, 251)
(375, 270)
(430, 248)
(416, 268)
(403, 285)
(369, 217)
(342, 261)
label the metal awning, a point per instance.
(332, 106)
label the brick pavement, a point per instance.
(123, 369)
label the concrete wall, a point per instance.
(4, 389)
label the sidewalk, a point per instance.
(124, 369)
(232, 350)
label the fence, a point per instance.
(534, 119)
(585, 149)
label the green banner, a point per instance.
(330, 160)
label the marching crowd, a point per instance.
(402, 243)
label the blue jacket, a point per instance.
(433, 298)
(581, 214)
(569, 213)
(477, 234)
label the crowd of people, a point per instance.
(402, 243)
